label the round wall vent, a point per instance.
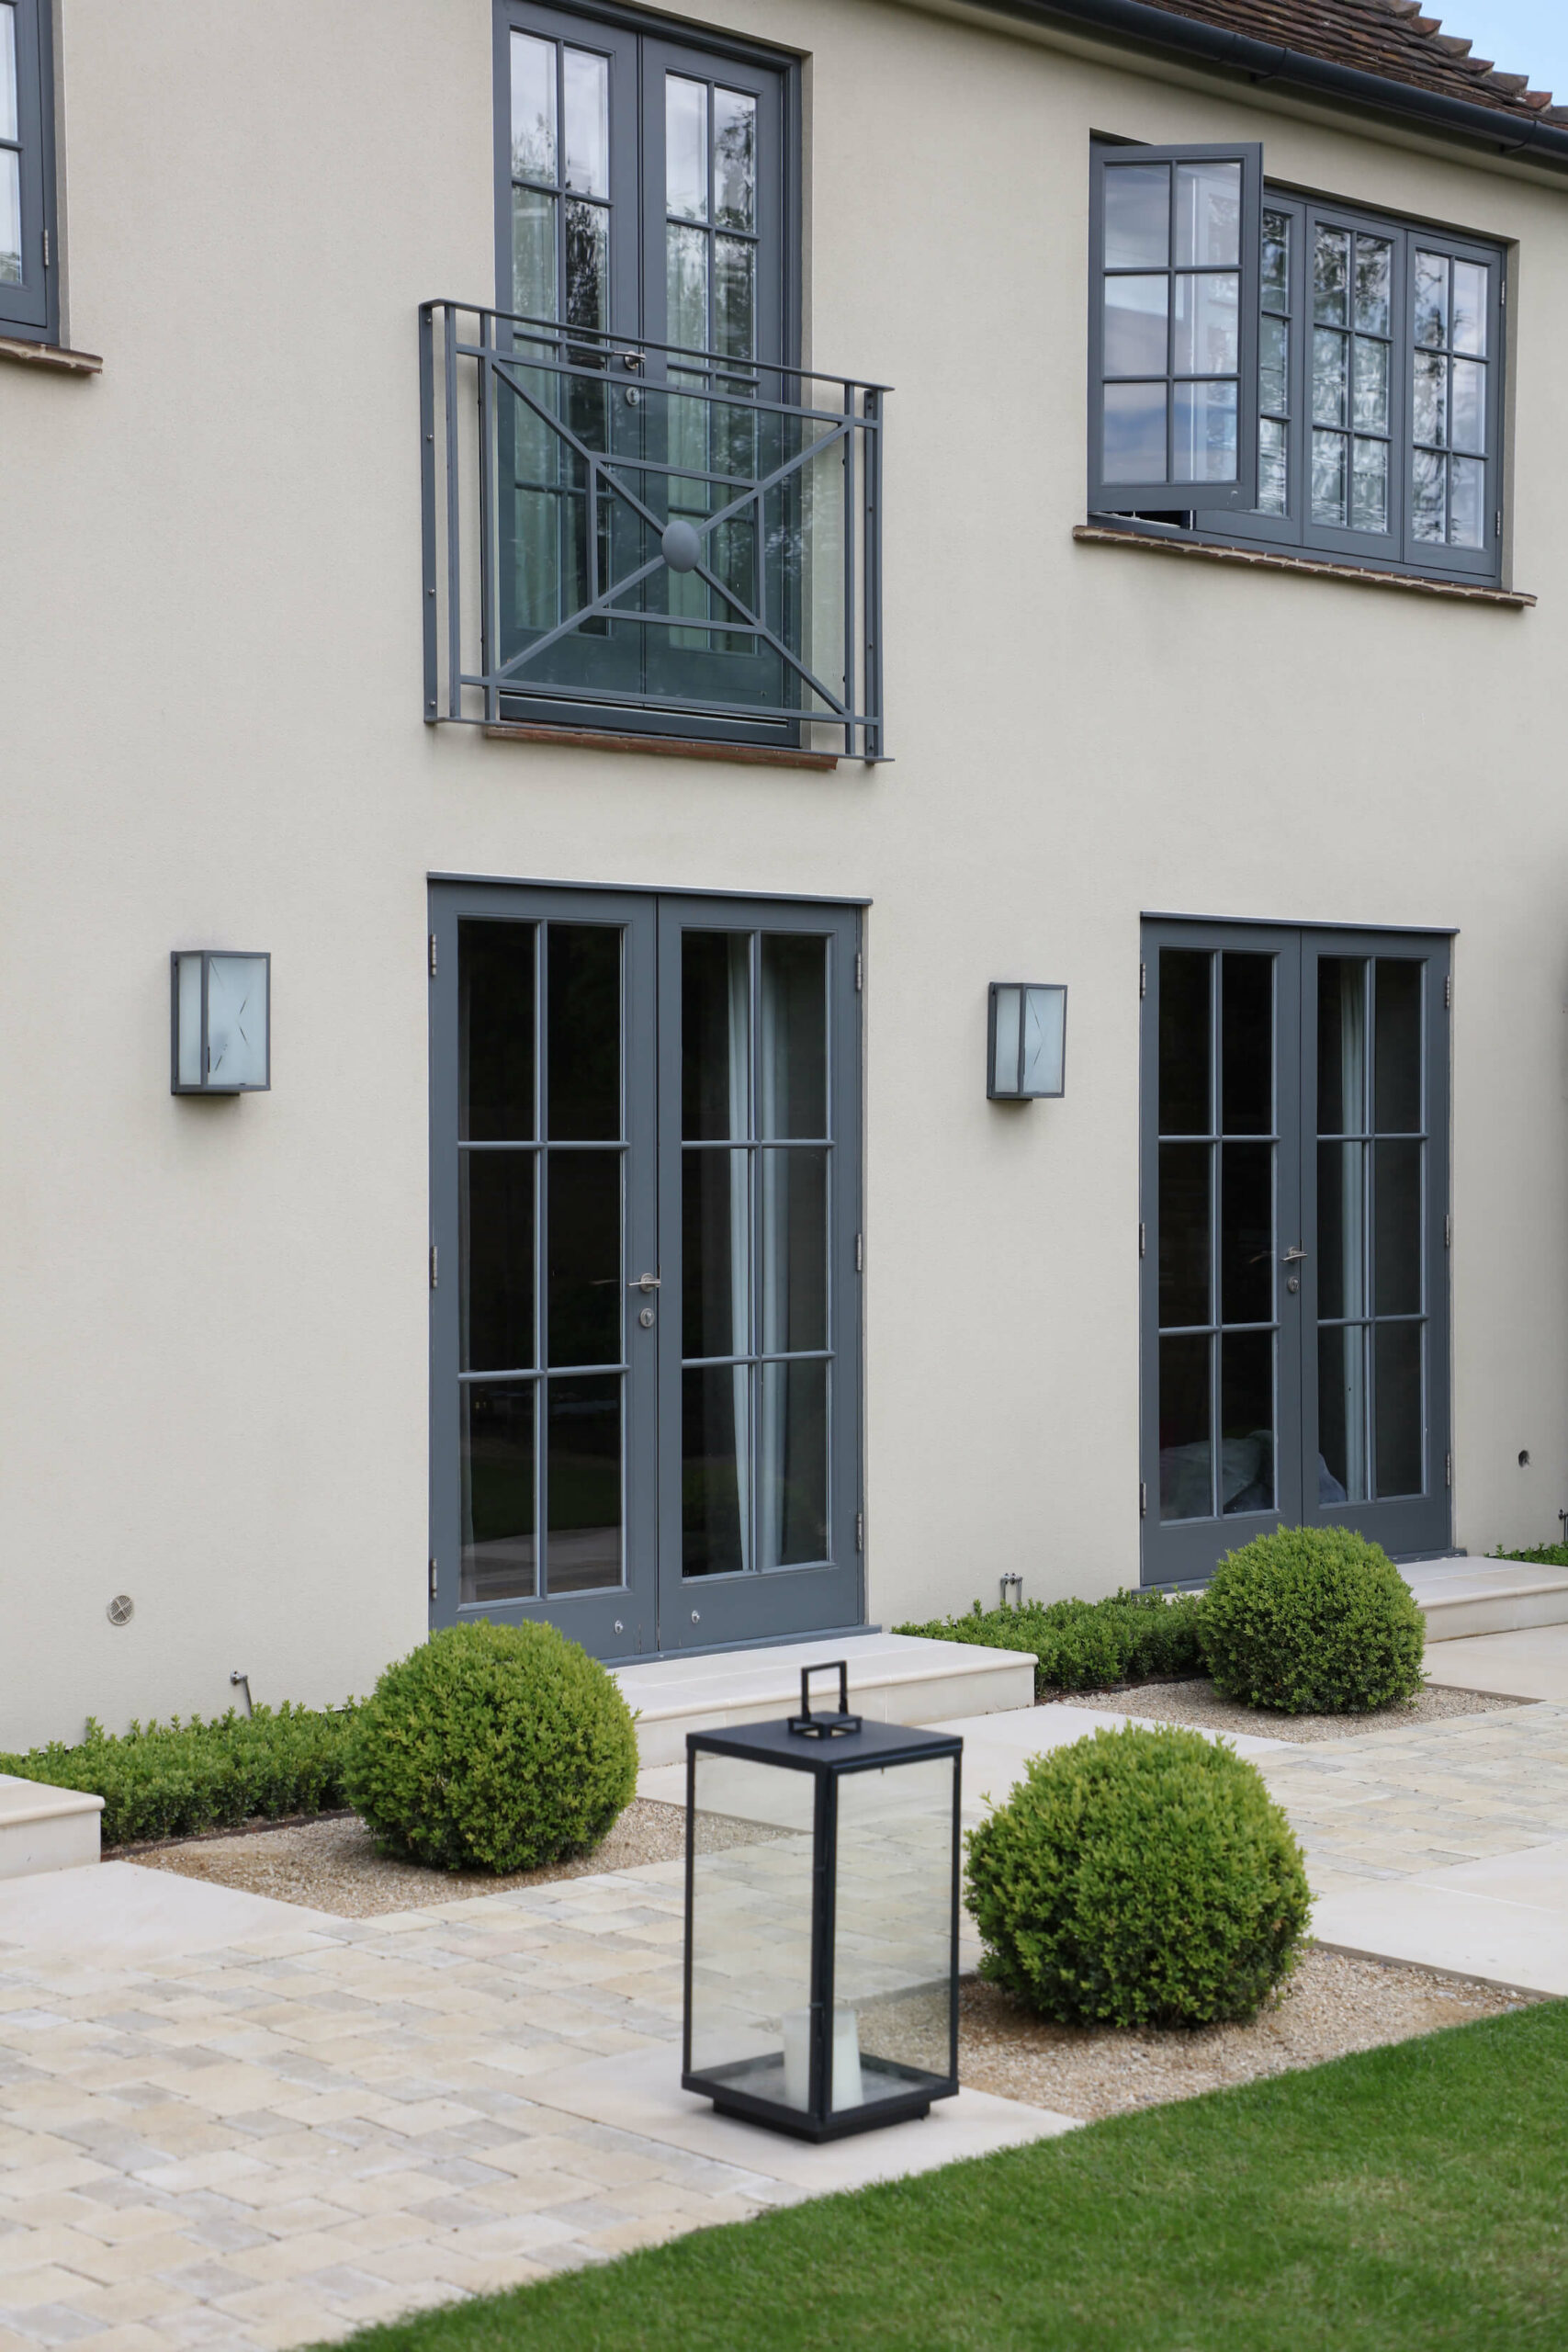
(121, 1609)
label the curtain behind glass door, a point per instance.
(756, 1169)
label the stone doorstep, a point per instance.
(894, 1678)
(44, 1829)
(1462, 1597)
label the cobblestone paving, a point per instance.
(280, 2140)
(1399, 1803)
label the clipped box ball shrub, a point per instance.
(499, 1747)
(1136, 1878)
(1312, 1620)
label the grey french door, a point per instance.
(1294, 1239)
(646, 1355)
(641, 202)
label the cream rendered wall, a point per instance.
(213, 1343)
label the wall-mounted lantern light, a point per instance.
(1026, 1058)
(221, 1023)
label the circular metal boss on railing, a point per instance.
(681, 547)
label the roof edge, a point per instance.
(1193, 42)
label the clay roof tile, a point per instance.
(1393, 38)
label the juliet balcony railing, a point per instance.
(647, 539)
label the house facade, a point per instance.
(601, 610)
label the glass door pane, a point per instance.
(755, 1337)
(542, 1259)
(543, 1389)
(713, 252)
(761, 1446)
(1220, 1242)
(1216, 1234)
(1372, 1225)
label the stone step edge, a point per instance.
(67, 1802)
(1520, 1591)
(980, 1660)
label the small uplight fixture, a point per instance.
(1026, 1058)
(222, 1021)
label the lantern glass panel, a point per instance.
(1044, 1036)
(236, 1021)
(190, 1020)
(1004, 1050)
(750, 1930)
(893, 1984)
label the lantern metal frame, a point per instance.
(1023, 990)
(210, 955)
(832, 1747)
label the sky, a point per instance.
(1519, 36)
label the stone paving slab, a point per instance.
(641, 2088)
(1529, 1665)
(1504, 1922)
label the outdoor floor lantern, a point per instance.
(822, 1919)
(222, 1021)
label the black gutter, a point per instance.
(1191, 42)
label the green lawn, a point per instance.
(1411, 2198)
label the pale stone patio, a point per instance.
(287, 2135)
(226, 2121)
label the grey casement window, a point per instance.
(27, 176)
(1376, 397)
(1173, 326)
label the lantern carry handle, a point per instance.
(827, 1725)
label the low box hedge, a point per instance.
(1536, 1556)
(175, 1780)
(1087, 1645)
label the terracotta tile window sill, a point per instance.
(52, 356)
(675, 747)
(1267, 559)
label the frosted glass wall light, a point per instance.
(1027, 1047)
(222, 1018)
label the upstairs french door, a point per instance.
(1295, 1293)
(645, 1311)
(641, 202)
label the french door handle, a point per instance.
(1294, 1256)
(644, 1282)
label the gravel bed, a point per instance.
(1331, 2006)
(331, 1863)
(1199, 1702)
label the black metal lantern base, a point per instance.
(821, 1990)
(909, 2107)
